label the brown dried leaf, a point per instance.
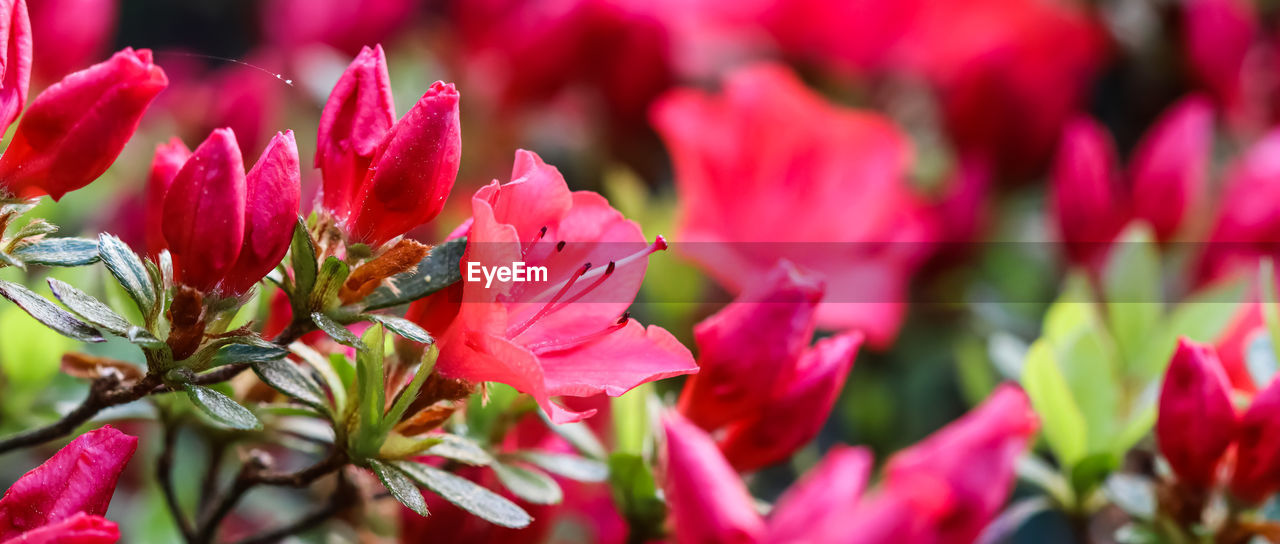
(91, 367)
(405, 255)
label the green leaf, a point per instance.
(1064, 425)
(485, 408)
(437, 270)
(302, 257)
(287, 378)
(128, 269)
(400, 486)
(569, 466)
(336, 331)
(329, 281)
(398, 446)
(221, 408)
(402, 327)
(467, 495)
(531, 485)
(371, 394)
(58, 252)
(247, 353)
(636, 494)
(49, 313)
(1131, 284)
(460, 449)
(99, 314)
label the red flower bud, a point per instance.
(356, 119)
(204, 211)
(413, 170)
(274, 187)
(75, 129)
(15, 59)
(1196, 422)
(794, 417)
(1257, 472)
(1170, 166)
(1085, 190)
(168, 161)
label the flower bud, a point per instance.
(1170, 166)
(413, 170)
(1257, 471)
(793, 417)
(15, 59)
(76, 128)
(273, 190)
(355, 121)
(168, 161)
(204, 212)
(708, 501)
(1085, 193)
(751, 345)
(1196, 421)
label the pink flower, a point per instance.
(75, 129)
(816, 503)
(356, 120)
(1170, 167)
(168, 160)
(1089, 205)
(70, 34)
(1197, 422)
(1009, 74)
(759, 379)
(856, 35)
(15, 59)
(768, 170)
(63, 499)
(1247, 222)
(547, 338)
(225, 229)
(706, 499)
(412, 171)
(1218, 37)
(346, 26)
(1257, 470)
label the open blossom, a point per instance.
(76, 128)
(226, 229)
(1093, 200)
(63, 500)
(383, 179)
(947, 488)
(758, 378)
(548, 338)
(768, 164)
(15, 59)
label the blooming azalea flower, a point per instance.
(570, 334)
(63, 500)
(769, 170)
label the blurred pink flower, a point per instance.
(1197, 421)
(707, 500)
(759, 379)
(817, 502)
(343, 25)
(1009, 74)
(547, 338)
(768, 170)
(15, 60)
(855, 35)
(1218, 36)
(1256, 475)
(70, 34)
(1247, 226)
(1089, 205)
(63, 499)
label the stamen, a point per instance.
(560, 246)
(551, 346)
(541, 232)
(546, 309)
(624, 318)
(607, 272)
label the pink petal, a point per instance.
(823, 497)
(707, 499)
(80, 528)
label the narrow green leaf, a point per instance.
(400, 486)
(437, 270)
(402, 327)
(247, 353)
(1064, 425)
(636, 494)
(569, 466)
(467, 495)
(328, 282)
(335, 330)
(302, 257)
(128, 269)
(529, 484)
(460, 449)
(49, 313)
(221, 408)
(287, 378)
(410, 392)
(58, 252)
(99, 314)
(370, 395)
